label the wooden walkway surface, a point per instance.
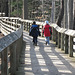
(44, 60)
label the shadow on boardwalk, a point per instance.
(44, 60)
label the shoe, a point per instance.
(46, 43)
(35, 44)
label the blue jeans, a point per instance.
(47, 39)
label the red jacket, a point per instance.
(46, 31)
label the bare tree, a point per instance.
(71, 14)
(74, 24)
(4, 7)
(53, 12)
(61, 14)
(25, 9)
(66, 14)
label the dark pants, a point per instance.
(35, 40)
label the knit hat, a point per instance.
(46, 22)
(34, 22)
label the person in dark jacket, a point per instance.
(34, 32)
(46, 30)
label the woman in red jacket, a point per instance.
(46, 30)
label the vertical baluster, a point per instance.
(27, 26)
(66, 44)
(4, 62)
(56, 38)
(41, 31)
(70, 46)
(13, 59)
(62, 41)
(18, 50)
(23, 25)
(53, 34)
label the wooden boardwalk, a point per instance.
(44, 60)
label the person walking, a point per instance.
(34, 32)
(47, 31)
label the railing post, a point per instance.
(4, 62)
(13, 58)
(18, 50)
(59, 39)
(41, 31)
(52, 33)
(70, 46)
(56, 38)
(27, 26)
(23, 25)
(66, 44)
(62, 41)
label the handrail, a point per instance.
(7, 27)
(63, 38)
(10, 46)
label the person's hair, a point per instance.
(34, 22)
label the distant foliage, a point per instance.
(16, 9)
(36, 9)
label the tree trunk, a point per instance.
(53, 12)
(71, 14)
(6, 8)
(61, 15)
(25, 9)
(66, 14)
(17, 8)
(9, 5)
(74, 24)
(74, 17)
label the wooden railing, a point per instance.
(7, 26)
(10, 46)
(2, 14)
(62, 37)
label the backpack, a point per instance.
(50, 30)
